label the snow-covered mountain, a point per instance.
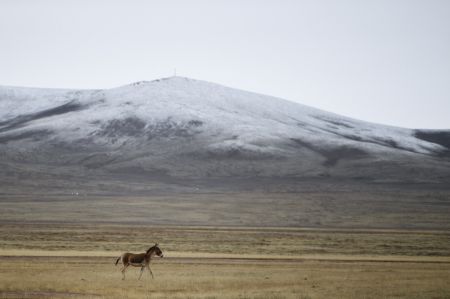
(183, 128)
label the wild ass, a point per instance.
(139, 259)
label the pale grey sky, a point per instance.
(385, 61)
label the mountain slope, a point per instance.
(180, 129)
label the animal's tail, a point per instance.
(118, 259)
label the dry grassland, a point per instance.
(77, 261)
(57, 277)
(269, 242)
(381, 245)
(338, 209)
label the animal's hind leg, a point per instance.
(123, 271)
(142, 270)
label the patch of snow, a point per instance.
(259, 122)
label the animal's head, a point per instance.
(156, 250)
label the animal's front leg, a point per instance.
(148, 267)
(142, 270)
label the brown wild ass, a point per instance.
(139, 259)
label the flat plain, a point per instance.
(41, 260)
(94, 277)
(235, 245)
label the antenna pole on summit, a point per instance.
(175, 72)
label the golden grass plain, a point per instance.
(97, 277)
(57, 260)
(347, 244)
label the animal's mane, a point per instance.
(150, 249)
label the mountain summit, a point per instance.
(180, 128)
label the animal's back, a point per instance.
(133, 258)
(137, 258)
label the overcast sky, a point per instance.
(380, 61)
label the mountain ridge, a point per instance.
(185, 128)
